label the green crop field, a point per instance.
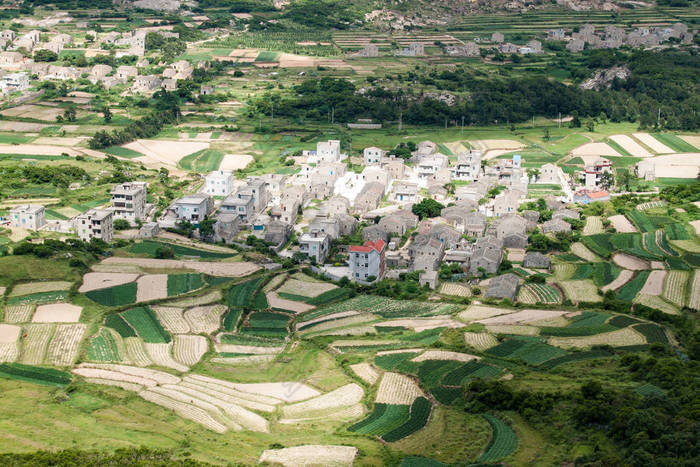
(266, 324)
(503, 441)
(103, 348)
(506, 348)
(118, 295)
(146, 324)
(231, 320)
(468, 371)
(575, 357)
(34, 374)
(630, 290)
(241, 294)
(418, 418)
(116, 322)
(383, 419)
(149, 247)
(122, 152)
(674, 142)
(39, 298)
(179, 284)
(652, 332)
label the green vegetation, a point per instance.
(122, 152)
(146, 324)
(652, 332)
(179, 284)
(266, 324)
(420, 412)
(383, 419)
(34, 374)
(118, 295)
(503, 441)
(39, 298)
(231, 320)
(630, 290)
(103, 347)
(241, 294)
(149, 247)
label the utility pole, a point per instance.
(462, 124)
(332, 115)
(445, 123)
(400, 120)
(658, 118)
(273, 111)
(559, 119)
(533, 121)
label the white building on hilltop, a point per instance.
(27, 216)
(219, 183)
(129, 201)
(95, 223)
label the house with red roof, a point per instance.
(590, 196)
(367, 261)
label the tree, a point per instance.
(533, 173)
(121, 224)
(607, 180)
(107, 114)
(44, 55)
(427, 208)
(546, 134)
(206, 228)
(624, 179)
(164, 252)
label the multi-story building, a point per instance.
(192, 208)
(218, 183)
(28, 216)
(129, 201)
(468, 166)
(95, 223)
(593, 173)
(367, 261)
(373, 156)
(315, 245)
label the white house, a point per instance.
(468, 166)
(372, 156)
(129, 201)
(27, 216)
(193, 208)
(367, 261)
(316, 245)
(95, 223)
(328, 151)
(219, 183)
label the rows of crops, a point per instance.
(575, 357)
(539, 293)
(149, 247)
(531, 352)
(39, 298)
(144, 321)
(241, 294)
(231, 320)
(675, 288)
(418, 418)
(630, 290)
(179, 284)
(652, 332)
(116, 322)
(34, 374)
(103, 347)
(266, 324)
(322, 299)
(382, 306)
(503, 441)
(118, 295)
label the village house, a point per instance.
(240, 203)
(549, 174)
(374, 232)
(506, 203)
(316, 245)
(394, 166)
(125, 72)
(375, 174)
(504, 287)
(429, 278)
(564, 213)
(129, 201)
(369, 198)
(446, 234)
(218, 183)
(27, 216)
(487, 254)
(497, 37)
(192, 208)
(588, 196)
(169, 84)
(475, 225)
(468, 166)
(146, 83)
(226, 227)
(149, 230)
(512, 230)
(398, 223)
(575, 45)
(430, 165)
(95, 223)
(536, 260)
(437, 192)
(426, 253)
(372, 156)
(593, 173)
(326, 151)
(10, 58)
(367, 261)
(404, 192)
(556, 226)
(334, 206)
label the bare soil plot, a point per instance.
(365, 372)
(488, 144)
(185, 410)
(653, 143)
(35, 339)
(696, 226)
(621, 337)
(160, 377)
(297, 307)
(516, 255)
(455, 290)
(9, 333)
(160, 354)
(345, 396)
(444, 355)
(235, 161)
(60, 141)
(580, 250)
(480, 340)
(477, 312)
(677, 165)
(158, 153)
(622, 224)
(631, 146)
(204, 319)
(624, 277)
(63, 349)
(37, 149)
(654, 284)
(310, 455)
(37, 112)
(18, 313)
(152, 287)
(22, 127)
(132, 382)
(205, 299)
(422, 324)
(520, 330)
(244, 360)
(629, 262)
(247, 349)
(655, 301)
(580, 291)
(594, 225)
(189, 350)
(692, 140)
(524, 316)
(37, 287)
(172, 319)
(396, 388)
(288, 391)
(306, 288)
(224, 269)
(102, 280)
(595, 149)
(57, 313)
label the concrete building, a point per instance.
(27, 216)
(315, 245)
(468, 166)
(129, 201)
(593, 173)
(372, 156)
(192, 208)
(218, 183)
(240, 203)
(367, 261)
(95, 223)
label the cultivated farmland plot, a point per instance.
(629, 262)
(189, 350)
(160, 355)
(205, 319)
(320, 406)
(654, 284)
(594, 225)
(480, 340)
(694, 302)
(624, 277)
(172, 319)
(503, 441)
(39, 287)
(187, 302)
(455, 290)
(444, 355)
(580, 291)
(18, 313)
(63, 349)
(35, 339)
(57, 313)
(106, 346)
(582, 252)
(396, 388)
(539, 293)
(655, 301)
(622, 337)
(366, 372)
(305, 288)
(675, 289)
(310, 455)
(621, 224)
(136, 352)
(9, 345)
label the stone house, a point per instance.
(504, 286)
(549, 173)
(468, 166)
(226, 227)
(372, 156)
(487, 253)
(506, 203)
(28, 216)
(316, 245)
(373, 233)
(404, 192)
(369, 198)
(512, 230)
(367, 261)
(556, 226)
(536, 260)
(565, 214)
(95, 223)
(394, 166)
(446, 234)
(426, 253)
(125, 72)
